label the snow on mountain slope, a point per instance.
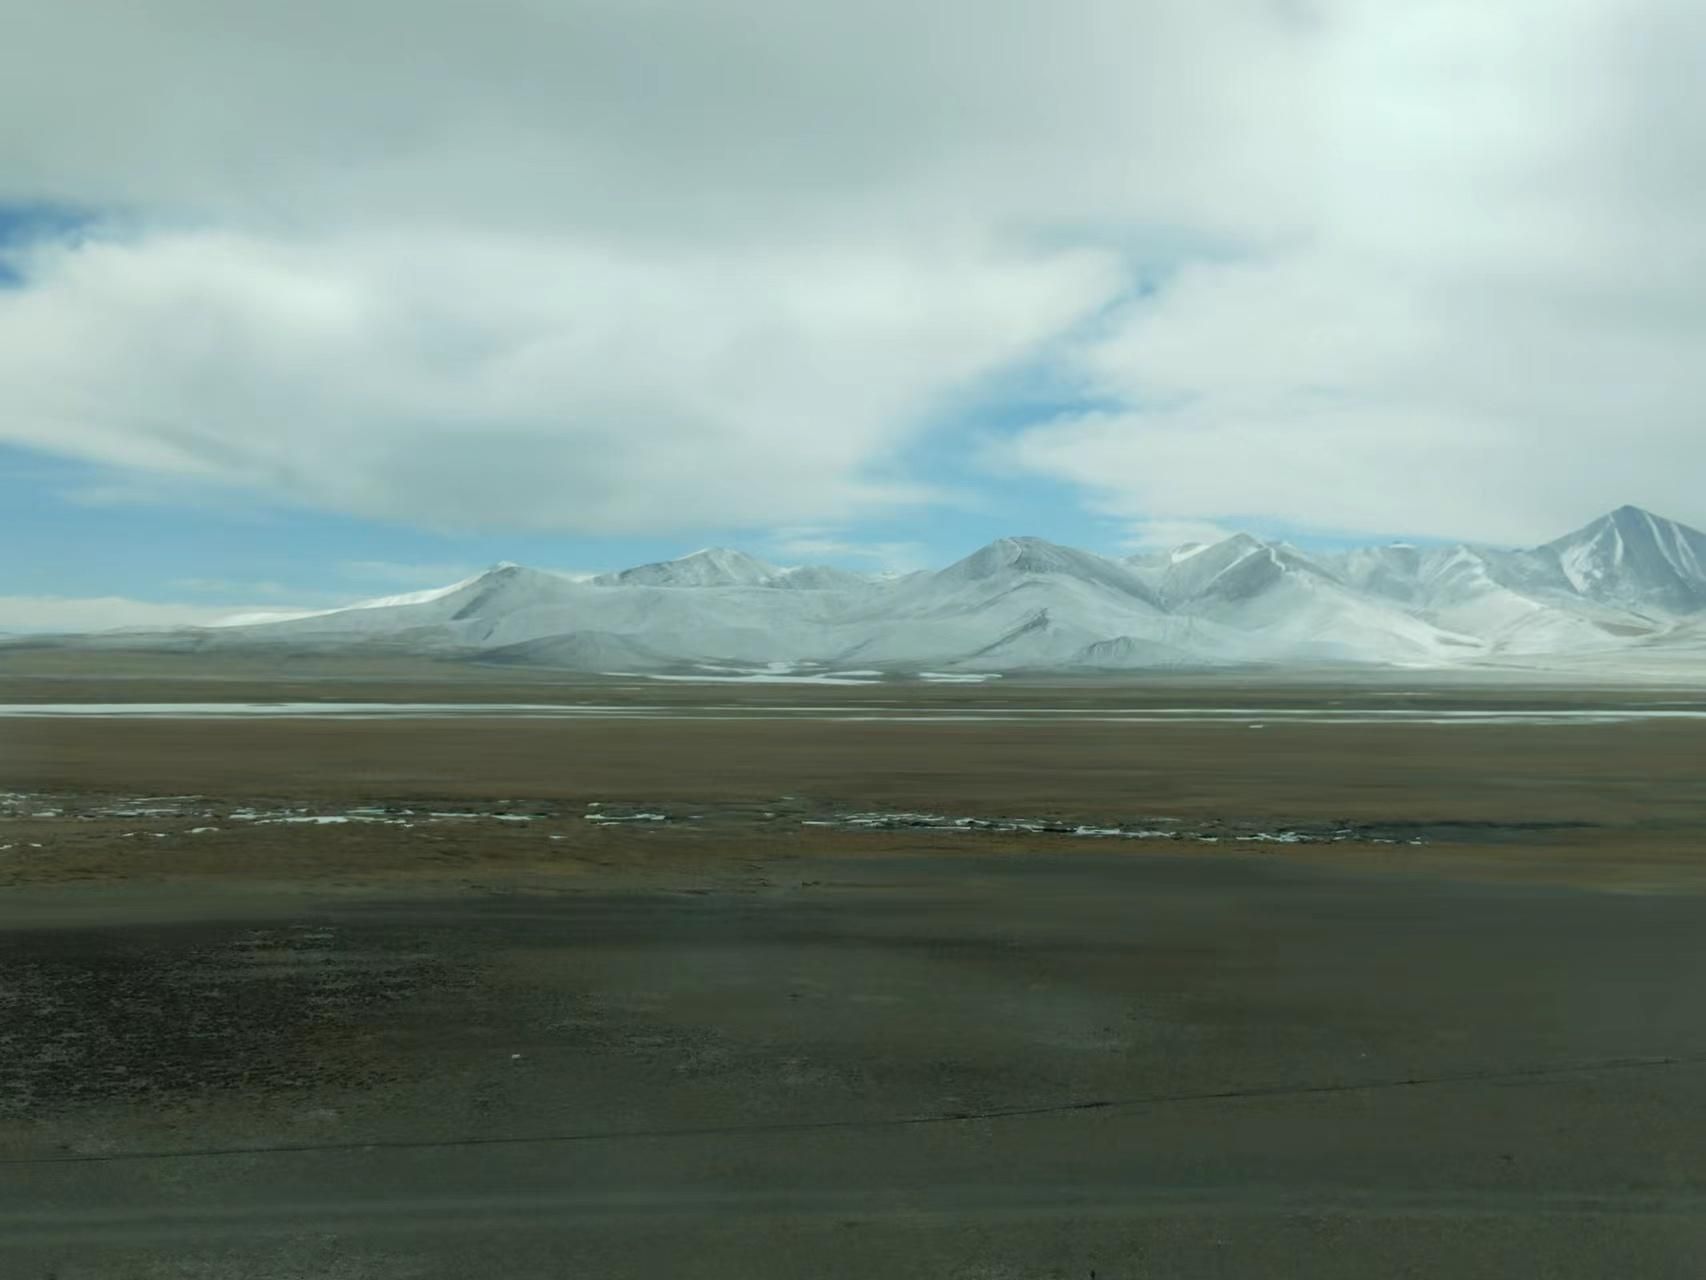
(1635, 560)
(501, 591)
(1239, 568)
(1392, 571)
(1016, 603)
(735, 614)
(1686, 639)
(1293, 608)
(1628, 587)
(581, 651)
(1519, 602)
(1136, 653)
(736, 624)
(712, 567)
(1009, 563)
(1151, 567)
(820, 577)
(1039, 641)
(378, 602)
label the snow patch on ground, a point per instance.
(754, 677)
(1154, 829)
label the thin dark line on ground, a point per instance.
(894, 1122)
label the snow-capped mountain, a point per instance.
(1634, 560)
(1629, 575)
(1629, 587)
(1299, 607)
(1016, 603)
(711, 567)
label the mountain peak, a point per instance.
(1028, 558)
(1627, 520)
(718, 555)
(1628, 511)
(1021, 555)
(1633, 558)
(1239, 567)
(1627, 517)
(707, 567)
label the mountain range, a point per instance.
(1627, 590)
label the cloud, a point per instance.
(405, 575)
(665, 121)
(56, 614)
(1158, 535)
(229, 587)
(1337, 264)
(462, 382)
(1491, 328)
(814, 545)
(567, 267)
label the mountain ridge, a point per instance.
(1613, 589)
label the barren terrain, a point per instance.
(795, 993)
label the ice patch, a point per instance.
(1170, 829)
(753, 677)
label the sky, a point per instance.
(305, 303)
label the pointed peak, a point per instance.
(720, 554)
(1628, 521)
(1015, 559)
(1625, 519)
(1018, 546)
(509, 570)
(1023, 555)
(706, 567)
(1628, 516)
(1233, 547)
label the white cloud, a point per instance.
(578, 575)
(1159, 535)
(581, 266)
(55, 614)
(612, 268)
(1492, 326)
(229, 587)
(667, 121)
(405, 575)
(463, 382)
(813, 545)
